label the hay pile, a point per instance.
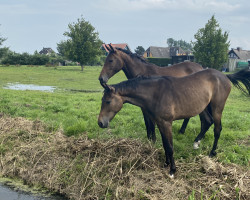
(80, 168)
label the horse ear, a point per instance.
(111, 47)
(112, 89)
(107, 87)
(107, 47)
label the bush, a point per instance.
(99, 60)
(39, 59)
(13, 58)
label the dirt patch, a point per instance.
(81, 168)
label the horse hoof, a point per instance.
(212, 154)
(171, 176)
(197, 144)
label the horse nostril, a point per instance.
(103, 79)
(100, 124)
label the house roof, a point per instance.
(175, 51)
(242, 54)
(159, 52)
(165, 52)
(121, 45)
(46, 51)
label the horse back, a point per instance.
(180, 69)
(183, 97)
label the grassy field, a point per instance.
(76, 112)
(73, 108)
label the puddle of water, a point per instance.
(8, 193)
(19, 86)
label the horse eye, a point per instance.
(110, 61)
(108, 102)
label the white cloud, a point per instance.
(15, 9)
(242, 42)
(171, 5)
(221, 6)
(238, 21)
(32, 8)
(137, 22)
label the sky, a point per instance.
(30, 25)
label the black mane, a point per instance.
(130, 83)
(133, 55)
(133, 83)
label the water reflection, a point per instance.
(7, 193)
(19, 86)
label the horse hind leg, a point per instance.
(204, 116)
(217, 131)
(217, 106)
(184, 125)
(206, 121)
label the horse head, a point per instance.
(111, 104)
(113, 64)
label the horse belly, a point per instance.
(189, 106)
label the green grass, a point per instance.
(69, 77)
(77, 112)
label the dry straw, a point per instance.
(80, 168)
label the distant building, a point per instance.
(157, 52)
(121, 45)
(238, 58)
(46, 51)
(177, 54)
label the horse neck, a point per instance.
(134, 67)
(130, 95)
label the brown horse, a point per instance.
(134, 66)
(166, 99)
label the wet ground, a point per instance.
(18, 86)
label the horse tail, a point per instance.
(242, 76)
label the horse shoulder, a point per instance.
(165, 98)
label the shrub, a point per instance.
(162, 62)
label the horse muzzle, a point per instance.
(103, 124)
(103, 79)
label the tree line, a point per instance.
(13, 58)
(83, 46)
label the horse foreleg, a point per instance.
(150, 127)
(167, 140)
(184, 126)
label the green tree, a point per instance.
(179, 43)
(170, 42)
(139, 50)
(3, 50)
(83, 43)
(61, 48)
(211, 45)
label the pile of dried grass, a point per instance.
(81, 168)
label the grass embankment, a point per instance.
(75, 114)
